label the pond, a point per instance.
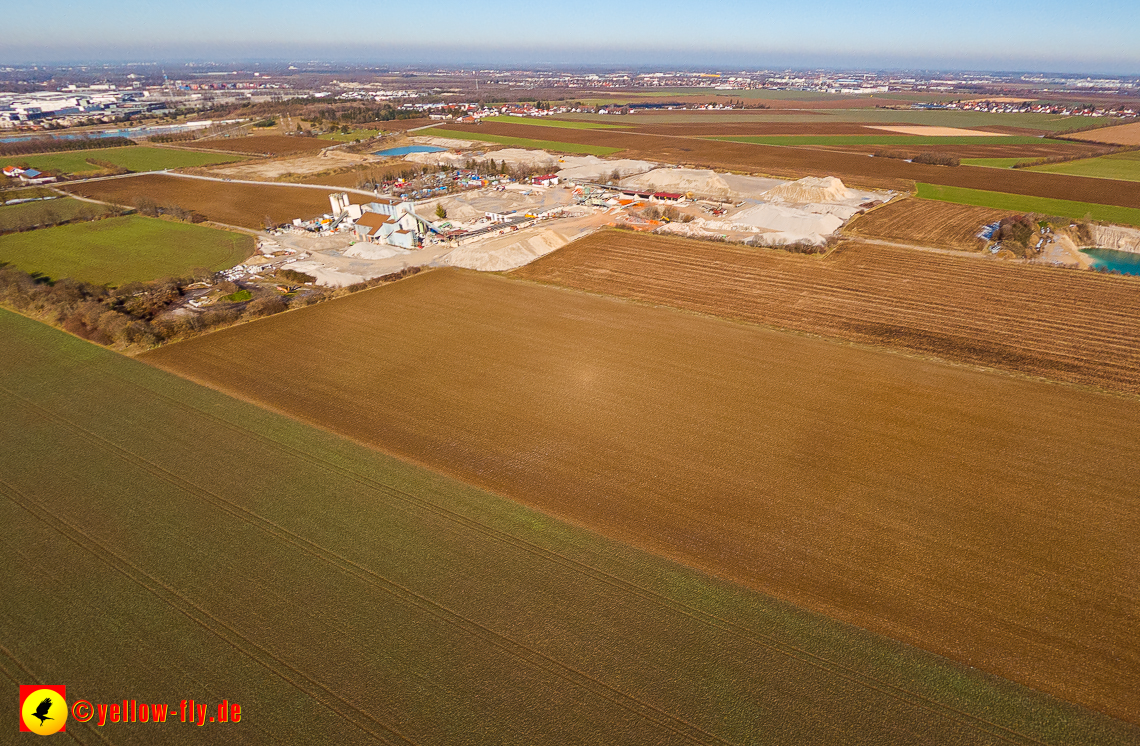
(1124, 262)
(410, 149)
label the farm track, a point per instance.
(744, 452)
(1064, 325)
(852, 168)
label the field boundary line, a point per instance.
(533, 657)
(696, 614)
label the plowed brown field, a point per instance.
(245, 205)
(1061, 324)
(266, 144)
(942, 225)
(744, 129)
(1124, 134)
(990, 519)
(853, 168)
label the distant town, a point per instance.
(39, 97)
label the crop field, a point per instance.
(1021, 203)
(244, 205)
(353, 135)
(265, 144)
(995, 162)
(1059, 324)
(855, 169)
(227, 551)
(352, 179)
(1123, 134)
(525, 142)
(884, 138)
(1045, 123)
(549, 122)
(1124, 166)
(138, 158)
(120, 250)
(926, 223)
(744, 452)
(31, 214)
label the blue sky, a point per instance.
(1096, 36)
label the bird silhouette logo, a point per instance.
(43, 709)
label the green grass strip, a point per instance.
(1121, 166)
(560, 123)
(137, 158)
(522, 142)
(883, 140)
(1022, 203)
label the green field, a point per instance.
(353, 135)
(1021, 203)
(522, 142)
(559, 123)
(120, 250)
(138, 158)
(30, 214)
(1125, 166)
(166, 541)
(884, 139)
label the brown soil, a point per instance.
(354, 178)
(1123, 134)
(1028, 152)
(244, 205)
(989, 519)
(1056, 323)
(266, 144)
(926, 223)
(745, 129)
(854, 169)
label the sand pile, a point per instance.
(326, 275)
(447, 142)
(788, 220)
(519, 157)
(811, 189)
(498, 256)
(1117, 237)
(682, 180)
(374, 251)
(441, 158)
(592, 168)
(750, 187)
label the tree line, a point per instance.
(41, 145)
(134, 316)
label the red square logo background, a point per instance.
(26, 691)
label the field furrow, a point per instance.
(1059, 324)
(744, 452)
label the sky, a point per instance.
(1097, 36)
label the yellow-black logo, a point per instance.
(43, 709)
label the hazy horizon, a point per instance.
(967, 35)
